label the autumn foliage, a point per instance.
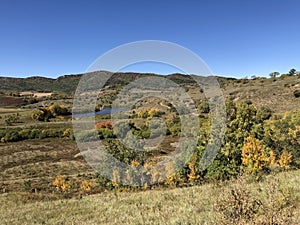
(285, 160)
(87, 185)
(61, 184)
(107, 125)
(255, 159)
(253, 156)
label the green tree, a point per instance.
(274, 74)
(292, 72)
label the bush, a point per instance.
(87, 186)
(204, 107)
(11, 136)
(41, 114)
(46, 113)
(237, 205)
(105, 133)
(61, 184)
(297, 93)
(107, 125)
(245, 203)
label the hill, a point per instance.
(272, 92)
(65, 84)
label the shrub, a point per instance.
(58, 110)
(68, 133)
(204, 107)
(278, 205)
(297, 93)
(46, 113)
(105, 133)
(11, 136)
(10, 119)
(87, 185)
(265, 112)
(273, 203)
(27, 185)
(61, 184)
(41, 114)
(237, 205)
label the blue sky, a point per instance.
(235, 38)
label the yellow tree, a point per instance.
(253, 155)
(193, 175)
(272, 160)
(285, 160)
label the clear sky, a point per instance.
(235, 38)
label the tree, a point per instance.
(292, 72)
(244, 121)
(253, 155)
(272, 160)
(285, 160)
(274, 74)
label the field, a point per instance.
(40, 162)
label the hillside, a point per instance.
(65, 84)
(192, 205)
(252, 180)
(271, 92)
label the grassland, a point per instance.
(191, 205)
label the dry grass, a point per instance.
(39, 161)
(193, 205)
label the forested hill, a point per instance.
(66, 84)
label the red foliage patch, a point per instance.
(107, 125)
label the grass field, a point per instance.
(192, 205)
